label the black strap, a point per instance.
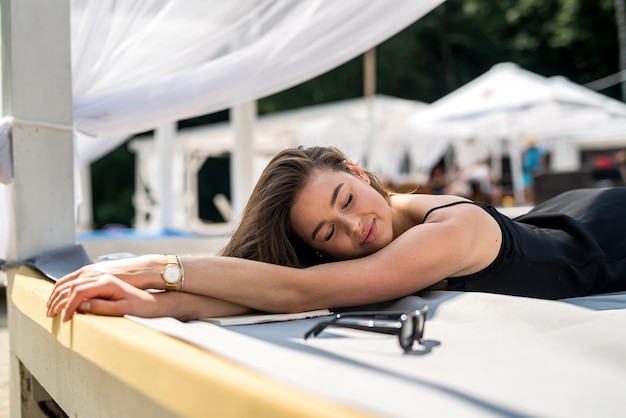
(431, 210)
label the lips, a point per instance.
(369, 233)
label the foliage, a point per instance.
(462, 39)
(112, 180)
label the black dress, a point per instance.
(571, 245)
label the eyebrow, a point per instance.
(333, 200)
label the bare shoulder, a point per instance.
(418, 205)
(477, 235)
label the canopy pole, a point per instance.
(243, 117)
(85, 208)
(37, 92)
(369, 93)
(515, 158)
(164, 137)
(620, 21)
(369, 73)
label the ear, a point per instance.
(357, 171)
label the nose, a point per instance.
(353, 225)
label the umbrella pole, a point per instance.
(516, 170)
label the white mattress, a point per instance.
(483, 355)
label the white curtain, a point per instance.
(141, 64)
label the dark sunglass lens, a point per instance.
(421, 323)
(407, 332)
(420, 320)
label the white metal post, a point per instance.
(37, 92)
(164, 137)
(369, 96)
(242, 117)
(85, 208)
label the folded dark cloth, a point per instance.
(56, 263)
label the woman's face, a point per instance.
(340, 215)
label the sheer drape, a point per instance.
(140, 64)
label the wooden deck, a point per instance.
(102, 366)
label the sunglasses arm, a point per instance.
(362, 324)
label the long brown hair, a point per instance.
(265, 233)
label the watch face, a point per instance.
(171, 273)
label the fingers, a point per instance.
(62, 292)
(61, 287)
(70, 295)
(104, 307)
(104, 295)
(117, 281)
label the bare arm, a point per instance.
(455, 241)
(458, 240)
(113, 297)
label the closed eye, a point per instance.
(348, 201)
(332, 228)
(330, 233)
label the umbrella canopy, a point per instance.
(505, 88)
(609, 135)
(511, 104)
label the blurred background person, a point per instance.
(533, 164)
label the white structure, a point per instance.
(507, 105)
(344, 124)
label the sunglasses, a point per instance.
(408, 326)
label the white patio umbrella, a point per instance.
(609, 135)
(510, 103)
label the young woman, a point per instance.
(320, 232)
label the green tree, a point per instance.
(462, 39)
(113, 183)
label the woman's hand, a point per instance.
(102, 295)
(116, 288)
(109, 288)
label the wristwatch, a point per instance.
(172, 273)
